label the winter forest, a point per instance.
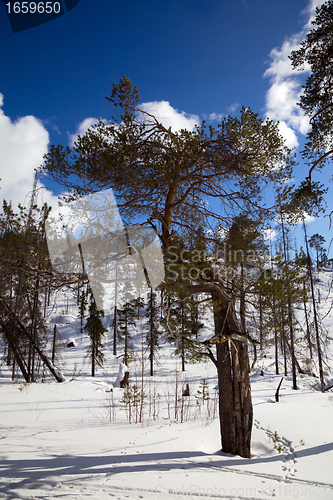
(214, 381)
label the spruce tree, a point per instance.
(95, 330)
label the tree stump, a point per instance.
(186, 391)
(124, 382)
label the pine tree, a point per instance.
(244, 242)
(316, 320)
(316, 99)
(167, 179)
(152, 315)
(96, 330)
(183, 329)
(316, 241)
(126, 318)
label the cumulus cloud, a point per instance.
(286, 87)
(82, 129)
(288, 134)
(162, 110)
(307, 218)
(310, 11)
(22, 144)
(169, 116)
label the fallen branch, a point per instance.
(277, 391)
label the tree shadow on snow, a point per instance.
(32, 471)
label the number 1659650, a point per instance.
(33, 7)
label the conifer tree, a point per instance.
(126, 318)
(165, 177)
(23, 253)
(243, 243)
(316, 99)
(152, 315)
(316, 320)
(95, 330)
(82, 306)
(183, 329)
(316, 241)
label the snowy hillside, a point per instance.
(73, 440)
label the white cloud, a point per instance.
(169, 116)
(232, 108)
(280, 66)
(288, 134)
(307, 218)
(285, 89)
(290, 219)
(310, 10)
(162, 110)
(215, 117)
(82, 129)
(270, 234)
(22, 144)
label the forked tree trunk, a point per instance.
(235, 403)
(233, 369)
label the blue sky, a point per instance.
(205, 58)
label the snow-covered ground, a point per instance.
(72, 440)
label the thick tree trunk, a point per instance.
(233, 369)
(226, 400)
(235, 403)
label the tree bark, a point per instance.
(233, 369)
(235, 402)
